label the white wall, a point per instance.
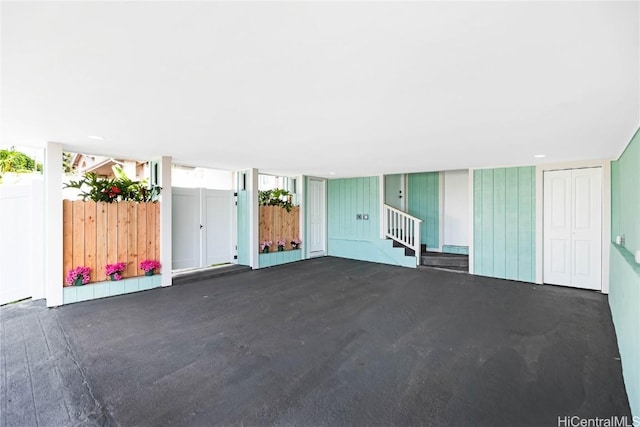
(456, 208)
(21, 241)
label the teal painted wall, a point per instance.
(353, 238)
(625, 195)
(276, 258)
(624, 276)
(504, 223)
(244, 220)
(424, 203)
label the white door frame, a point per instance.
(306, 245)
(606, 213)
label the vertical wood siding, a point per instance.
(276, 222)
(504, 223)
(424, 203)
(96, 234)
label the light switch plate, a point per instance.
(358, 216)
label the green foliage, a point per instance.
(121, 188)
(67, 167)
(276, 197)
(15, 161)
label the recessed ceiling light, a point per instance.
(332, 173)
(99, 138)
(540, 156)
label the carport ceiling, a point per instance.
(352, 88)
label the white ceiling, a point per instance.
(352, 88)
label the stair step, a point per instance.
(433, 259)
(196, 274)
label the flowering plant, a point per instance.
(114, 270)
(296, 243)
(264, 246)
(149, 264)
(77, 273)
(281, 243)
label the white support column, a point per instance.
(381, 213)
(254, 219)
(471, 252)
(301, 195)
(53, 274)
(164, 180)
(38, 290)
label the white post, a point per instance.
(53, 274)
(164, 180)
(38, 239)
(254, 219)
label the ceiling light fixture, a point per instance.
(332, 173)
(99, 138)
(540, 156)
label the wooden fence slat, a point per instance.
(112, 234)
(151, 235)
(67, 238)
(141, 238)
(156, 249)
(123, 224)
(90, 237)
(78, 233)
(101, 243)
(132, 258)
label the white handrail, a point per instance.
(403, 228)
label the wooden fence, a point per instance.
(97, 234)
(276, 223)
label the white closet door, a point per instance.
(573, 228)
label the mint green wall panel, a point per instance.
(504, 223)
(423, 194)
(453, 249)
(624, 299)
(526, 224)
(511, 225)
(499, 222)
(352, 238)
(626, 195)
(624, 272)
(244, 222)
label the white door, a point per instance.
(573, 228)
(317, 218)
(394, 191)
(217, 231)
(202, 223)
(185, 227)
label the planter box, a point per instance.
(276, 258)
(71, 294)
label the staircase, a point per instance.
(441, 260)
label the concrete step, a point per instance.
(436, 259)
(197, 274)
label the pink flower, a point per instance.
(149, 264)
(117, 276)
(118, 267)
(77, 273)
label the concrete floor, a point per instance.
(321, 342)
